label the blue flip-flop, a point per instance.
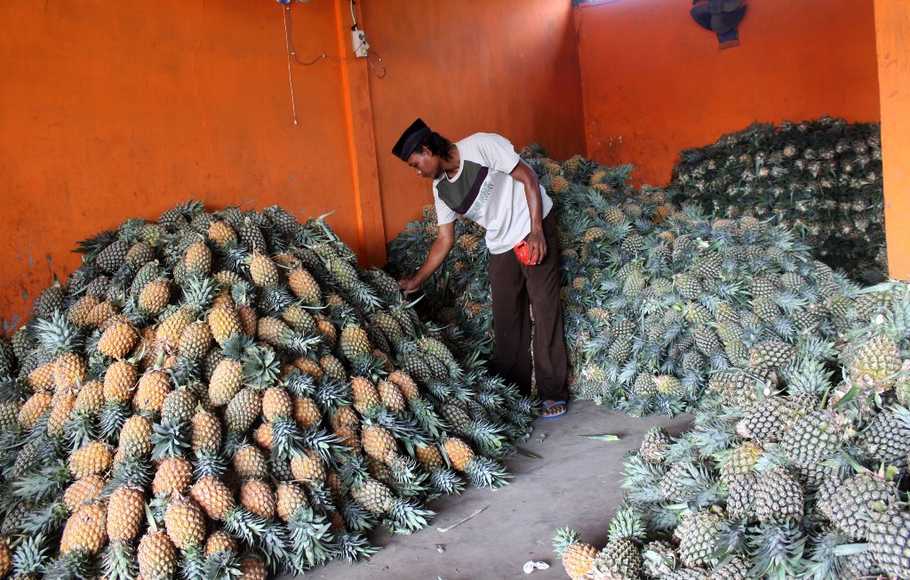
(549, 405)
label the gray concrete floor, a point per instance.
(576, 483)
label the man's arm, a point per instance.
(537, 242)
(445, 239)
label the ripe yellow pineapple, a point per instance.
(257, 497)
(429, 457)
(168, 333)
(304, 286)
(221, 233)
(346, 425)
(61, 407)
(378, 443)
(250, 463)
(6, 557)
(459, 452)
(213, 496)
(153, 388)
(90, 398)
(119, 381)
(69, 370)
(195, 340)
(83, 491)
(307, 467)
(93, 458)
(224, 323)
(577, 557)
(198, 258)
(157, 556)
(220, 541)
(118, 340)
(185, 523)
(289, 497)
(85, 530)
(41, 378)
(100, 314)
(252, 568)
(276, 404)
(225, 382)
(332, 367)
(79, 312)
(406, 384)
(125, 514)
(262, 435)
(365, 395)
(34, 408)
(205, 432)
(263, 270)
(326, 329)
(306, 412)
(391, 396)
(172, 476)
(309, 366)
(135, 438)
(154, 296)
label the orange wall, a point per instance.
(507, 66)
(115, 109)
(654, 82)
(892, 19)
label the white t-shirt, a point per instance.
(483, 191)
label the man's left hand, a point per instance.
(537, 246)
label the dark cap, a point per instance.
(412, 137)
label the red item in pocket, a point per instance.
(523, 253)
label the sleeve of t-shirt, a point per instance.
(497, 152)
(444, 214)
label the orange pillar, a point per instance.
(892, 32)
(358, 107)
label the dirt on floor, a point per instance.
(575, 482)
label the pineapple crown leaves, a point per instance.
(132, 471)
(170, 440)
(44, 484)
(31, 556)
(353, 547)
(47, 519)
(224, 565)
(406, 517)
(210, 464)
(199, 292)
(626, 524)
(57, 335)
(563, 539)
(777, 551)
(75, 564)
(310, 537)
(261, 367)
(299, 384)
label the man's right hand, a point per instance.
(409, 285)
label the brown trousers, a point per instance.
(515, 287)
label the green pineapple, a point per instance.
(621, 558)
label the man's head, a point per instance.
(423, 149)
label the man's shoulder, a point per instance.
(476, 138)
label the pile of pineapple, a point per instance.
(223, 395)
(794, 468)
(656, 299)
(821, 178)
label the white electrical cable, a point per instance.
(353, 16)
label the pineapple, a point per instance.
(220, 541)
(172, 476)
(185, 524)
(366, 397)
(85, 530)
(221, 234)
(263, 271)
(252, 568)
(226, 381)
(125, 514)
(34, 408)
(257, 497)
(481, 471)
(391, 396)
(214, 497)
(698, 536)
(198, 258)
(151, 392)
(224, 323)
(378, 499)
(135, 438)
(306, 412)
(876, 362)
(250, 463)
(887, 538)
(276, 404)
(243, 410)
(577, 557)
(813, 438)
(206, 432)
(157, 556)
(83, 491)
(118, 340)
(289, 498)
(778, 497)
(621, 557)
(654, 445)
(195, 340)
(154, 296)
(119, 380)
(307, 467)
(851, 506)
(304, 286)
(94, 458)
